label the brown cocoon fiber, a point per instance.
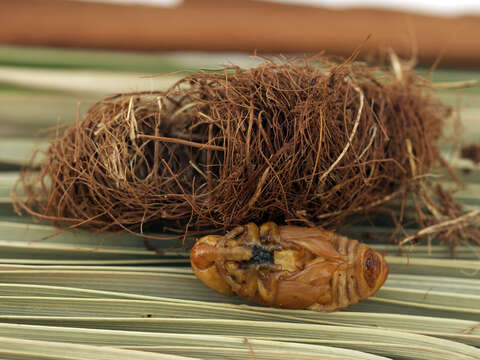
(291, 141)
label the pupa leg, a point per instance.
(248, 234)
(253, 234)
(269, 232)
(267, 288)
(235, 233)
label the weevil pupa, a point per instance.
(289, 266)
